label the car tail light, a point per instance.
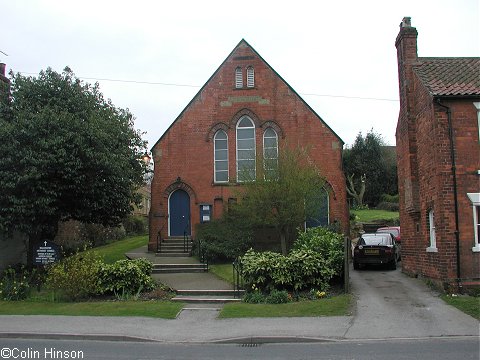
(388, 251)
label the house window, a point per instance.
(250, 77)
(433, 237)
(475, 199)
(238, 78)
(246, 149)
(221, 156)
(270, 153)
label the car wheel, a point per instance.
(356, 266)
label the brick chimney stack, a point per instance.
(2, 69)
(406, 44)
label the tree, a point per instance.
(370, 169)
(282, 196)
(65, 153)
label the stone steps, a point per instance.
(179, 268)
(174, 246)
(207, 296)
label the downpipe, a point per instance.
(455, 195)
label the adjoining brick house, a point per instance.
(245, 109)
(438, 156)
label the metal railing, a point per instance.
(159, 241)
(201, 252)
(237, 277)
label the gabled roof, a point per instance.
(243, 41)
(450, 76)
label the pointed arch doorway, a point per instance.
(179, 213)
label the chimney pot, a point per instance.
(406, 22)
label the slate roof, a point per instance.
(450, 76)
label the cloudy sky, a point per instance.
(153, 56)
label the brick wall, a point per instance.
(186, 149)
(425, 175)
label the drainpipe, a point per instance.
(455, 197)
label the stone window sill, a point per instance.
(476, 248)
(432, 250)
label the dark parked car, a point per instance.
(378, 248)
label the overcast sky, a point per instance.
(338, 55)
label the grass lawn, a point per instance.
(223, 271)
(116, 250)
(375, 215)
(335, 306)
(468, 304)
(155, 309)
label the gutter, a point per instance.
(455, 196)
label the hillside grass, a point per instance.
(116, 250)
(373, 215)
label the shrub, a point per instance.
(388, 206)
(75, 277)
(390, 198)
(277, 297)
(135, 225)
(328, 244)
(15, 285)
(254, 297)
(301, 269)
(126, 277)
(224, 239)
(97, 235)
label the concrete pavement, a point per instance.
(389, 305)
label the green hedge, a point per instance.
(224, 239)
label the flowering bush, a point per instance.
(15, 285)
(76, 276)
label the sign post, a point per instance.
(45, 253)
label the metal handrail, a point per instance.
(237, 277)
(201, 253)
(159, 240)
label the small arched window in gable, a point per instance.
(270, 154)
(238, 78)
(250, 77)
(221, 156)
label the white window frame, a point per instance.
(432, 233)
(254, 146)
(215, 160)
(475, 200)
(265, 148)
(477, 106)
(250, 77)
(238, 78)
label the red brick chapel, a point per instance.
(245, 107)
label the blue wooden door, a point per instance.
(179, 210)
